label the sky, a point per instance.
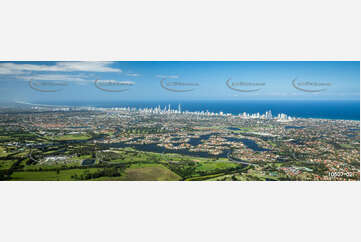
(42, 82)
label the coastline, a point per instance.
(133, 106)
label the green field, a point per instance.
(63, 175)
(215, 166)
(73, 137)
(136, 172)
(243, 130)
(206, 178)
(4, 138)
(346, 146)
(6, 164)
(3, 152)
(127, 155)
(149, 172)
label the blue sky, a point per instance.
(206, 79)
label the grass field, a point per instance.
(73, 137)
(149, 172)
(137, 172)
(3, 152)
(6, 164)
(64, 175)
(132, 155)
(127, 156)
(213, 166)
(3, 138)
(206, 178)
(346, 146)
(243, 130)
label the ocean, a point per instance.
(345, 110)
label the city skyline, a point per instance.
(167, 109)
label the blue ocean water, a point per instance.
(347, 109)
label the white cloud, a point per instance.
(133, 74)
(130, 83)
(55, 77)
(16, 69)
(168, 77)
